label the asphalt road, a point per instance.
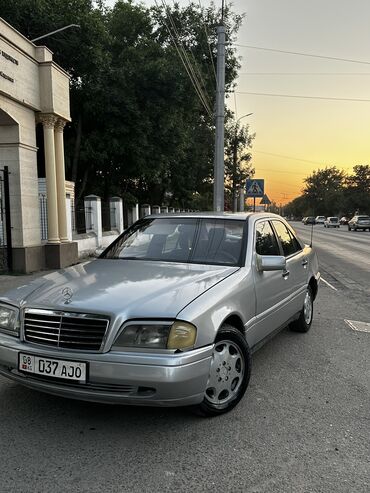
(303, 426)
(343, 254)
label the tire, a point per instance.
(304, 322)
(349, 228)
(229, 373)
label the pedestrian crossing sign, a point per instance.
(255, 188)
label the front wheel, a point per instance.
(229, 373)
(304, 322)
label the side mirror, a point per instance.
(270, 262)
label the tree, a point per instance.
(238, 165)
(138, 128)
(324, 191)
(357, 193)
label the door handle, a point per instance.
(304, 262)
(285, 274)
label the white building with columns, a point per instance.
(34, 90)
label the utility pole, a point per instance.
(219, 165)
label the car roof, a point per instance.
(216, 215)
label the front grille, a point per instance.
(65, 330)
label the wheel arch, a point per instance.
(314, 286)
(235, 321)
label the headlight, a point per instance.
(179, 335)
(9, 320)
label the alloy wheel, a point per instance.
(226, 373)
(307, 308)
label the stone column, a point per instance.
(48, 122)
(60, 176)
(135, 214)
(116, 204)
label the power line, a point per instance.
(304, 54)
(209, 45)
(185, 65)
(189, 65)
(305, 73)
(302, 97)
(193, 70)
(297, 159)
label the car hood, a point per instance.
(129, 288)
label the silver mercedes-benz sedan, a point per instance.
(168, 315)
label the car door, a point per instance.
(271, 287)
(296, 267)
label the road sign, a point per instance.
(265, 200)
(255, 188)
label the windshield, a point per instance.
(200, 241)
(333, 219)
(364, 218)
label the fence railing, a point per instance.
(95, 216)
(108, 216)
(43, 202)
(81, 219)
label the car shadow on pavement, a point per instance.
(17, 401)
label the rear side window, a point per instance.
(266, 243)
(287, 239)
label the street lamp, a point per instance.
(235, 163)
(56, 31)
(238, 120)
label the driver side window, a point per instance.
(266, 243)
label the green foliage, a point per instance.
(238, 159)
(330, 192)
(138, 129)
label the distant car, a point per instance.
(168, 314)
(319, 219)
(359, 222)
(309, 220)
(303, 219)
(331, 222)
(343, 220)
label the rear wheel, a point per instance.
(229, 373)
(304, 322)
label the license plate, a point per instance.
(50, 367)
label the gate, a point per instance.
(6, 260)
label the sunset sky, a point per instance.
(296, 136)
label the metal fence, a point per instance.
(43, 206)
(81, 218)
(6, 254)
(108, 216)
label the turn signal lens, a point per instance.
(182, 336)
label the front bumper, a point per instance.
(114, 377)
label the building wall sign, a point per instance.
(7, 77)
(9, 57)
(19, 75)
